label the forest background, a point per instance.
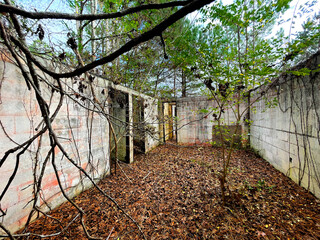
(258, 39)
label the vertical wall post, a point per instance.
(130, 125)
(176, 120)
(249, 118)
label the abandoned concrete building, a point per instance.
(287, 135)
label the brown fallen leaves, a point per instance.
(174, 194)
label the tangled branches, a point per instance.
(67, 117)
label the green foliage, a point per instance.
(239, 55)
(270, 103)
(238, 51)
(261, 185)
(306, 42)
(41, 48)
(204, 111)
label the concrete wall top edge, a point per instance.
(61, 67)
(192, 99)
(311, 63)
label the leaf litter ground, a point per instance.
(173, 193)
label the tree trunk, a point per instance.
(93, 26)
(184, 84)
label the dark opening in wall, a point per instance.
(174, 122)
(168, 121)
(119, 115)
(138, 126)
(225, 133)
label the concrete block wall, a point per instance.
(83, 134)
(288, 135)
(151, 113)
(79, 131)
(195, 125)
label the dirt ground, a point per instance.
(173, 193)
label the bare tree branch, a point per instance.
(14, 39)
(55, 15)
(156, 31)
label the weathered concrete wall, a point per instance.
(192, 126)
(84, 135)
(152, 136)
(151, 121)
(195, 120)
(288, 135)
